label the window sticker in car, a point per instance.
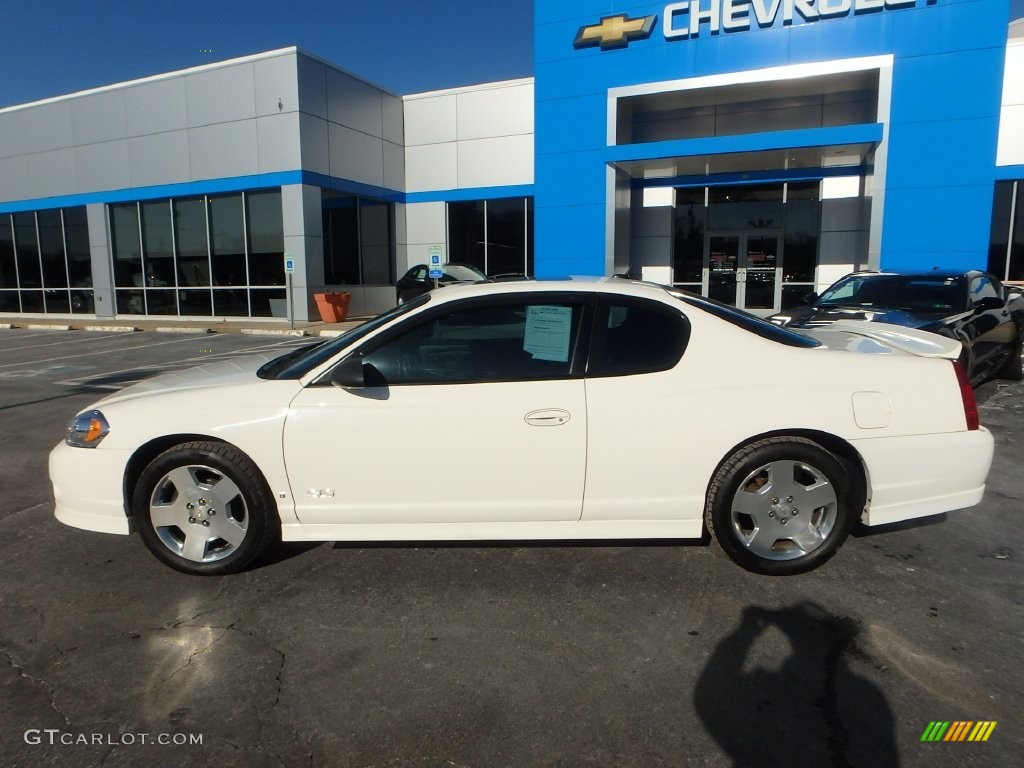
(547, 332)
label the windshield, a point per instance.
(460, 272)
(912, 293)
(299, 362)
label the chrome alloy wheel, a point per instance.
(198, 513)
(784, 510)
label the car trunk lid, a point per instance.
(881, 338)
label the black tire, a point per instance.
(204, 508)
(768, 532)
(1011, 370)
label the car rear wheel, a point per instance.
(204, 508)
(781, 506)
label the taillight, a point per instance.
(967, 396)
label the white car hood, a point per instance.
(241, 370)
(882, 338)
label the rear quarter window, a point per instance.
(633, 336)
(749, 322)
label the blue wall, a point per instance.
(947, 81)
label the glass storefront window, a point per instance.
(690, 222)
(999, 238)
(750, 206)
(190, 238)
(157, 244)
(341, 240)
(846, 98)
(8, 271)
(27, 245)
(42, 255)
(375, 241)
(466, 243)
(358, 240)
(801, 241)
(506, 237)
(227, 241)
(76, 242)
(127, 250)
(165, 269)
(266, 239)
(755, 221)
(1015, 271)
(51, 247)
(495, 236)
(1006, 244)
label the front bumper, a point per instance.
(88, 487)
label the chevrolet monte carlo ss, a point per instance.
(606, 409)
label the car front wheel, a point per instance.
(204, 508)
(782, 506)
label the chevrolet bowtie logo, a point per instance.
(615, 31)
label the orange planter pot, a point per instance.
(333, 307)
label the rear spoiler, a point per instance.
(909, 340)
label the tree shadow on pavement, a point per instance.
(779, 690)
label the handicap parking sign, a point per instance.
(434, 262)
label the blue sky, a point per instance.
(53, 47)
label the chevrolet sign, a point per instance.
(686, 20)
(615, 31)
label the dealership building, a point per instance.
(748, 150)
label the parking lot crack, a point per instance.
(51, 689)
(191, 656)
(27, 509)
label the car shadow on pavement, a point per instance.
(780, 690)
(282, 551)
(861, 531)
(704, 541)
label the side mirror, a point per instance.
(810, 298)
(349, 374)
(988, 303)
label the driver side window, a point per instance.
(509, 341)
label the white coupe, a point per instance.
(603, 409)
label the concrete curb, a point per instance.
(32, 327)
(273, 332)
(331, 334)
(5, 326)
(111, 328)
(175, 329)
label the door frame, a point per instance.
(743, 236)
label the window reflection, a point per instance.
(158, 244)
(266, 238)
(42, 254)
(27, 245)
(227, 241)
(739, 227)
(167, 248)
(358, 240)
(495, 236)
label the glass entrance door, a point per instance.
(744, 269)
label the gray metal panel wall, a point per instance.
(350, 129)
(190, 126)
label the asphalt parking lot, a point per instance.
(500, 655)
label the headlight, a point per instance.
(86, 430)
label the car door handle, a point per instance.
(547, 417)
